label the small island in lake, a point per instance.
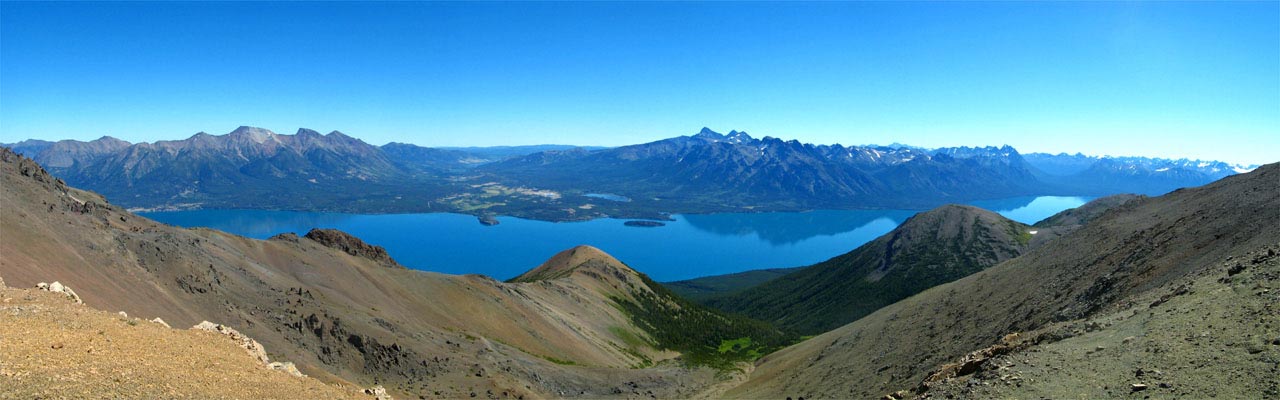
(645, 224)
(488, 220)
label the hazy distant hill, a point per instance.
(503, 152)
(1091, 175)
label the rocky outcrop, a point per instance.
(378, 392)
(352, 245)
(58, 287)
(251, 346)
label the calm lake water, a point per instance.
(689, 247)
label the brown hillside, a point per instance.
(1121, 260)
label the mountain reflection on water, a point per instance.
(688, 247)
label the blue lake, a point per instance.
(693, 245)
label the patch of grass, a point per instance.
(628, 338)
(734, 345)
(559, 361)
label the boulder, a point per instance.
(378, 392)
(58, 287)
(161, 322)
(71, 294)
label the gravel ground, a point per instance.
(52, 348)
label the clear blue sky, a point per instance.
(1199, 80)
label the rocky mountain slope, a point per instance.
(51, 347)
(345, 317)
(1079, 216)
(930, 248)
(1069, 308)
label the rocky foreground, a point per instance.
(51, 346)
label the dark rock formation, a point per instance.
(352, 245)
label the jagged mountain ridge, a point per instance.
(704, 172)
(736, 169)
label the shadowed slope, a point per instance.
(930, 248)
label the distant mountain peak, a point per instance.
(108, 139)
(707, 133)
(738, 137)
(307, 132)
(256, 135)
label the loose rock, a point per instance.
(287, 367)
(252, 346)
(161, 322)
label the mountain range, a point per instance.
(704, 172)
(1171, 295)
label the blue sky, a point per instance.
(1198, 80)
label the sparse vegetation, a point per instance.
(705, 336)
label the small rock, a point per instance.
(1138, 387)
(56, 346)
(1128, 340)
(1164, 385)
(56, 287)
(287, 367)
(42, 286)
(123, 314)
(161, 322)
